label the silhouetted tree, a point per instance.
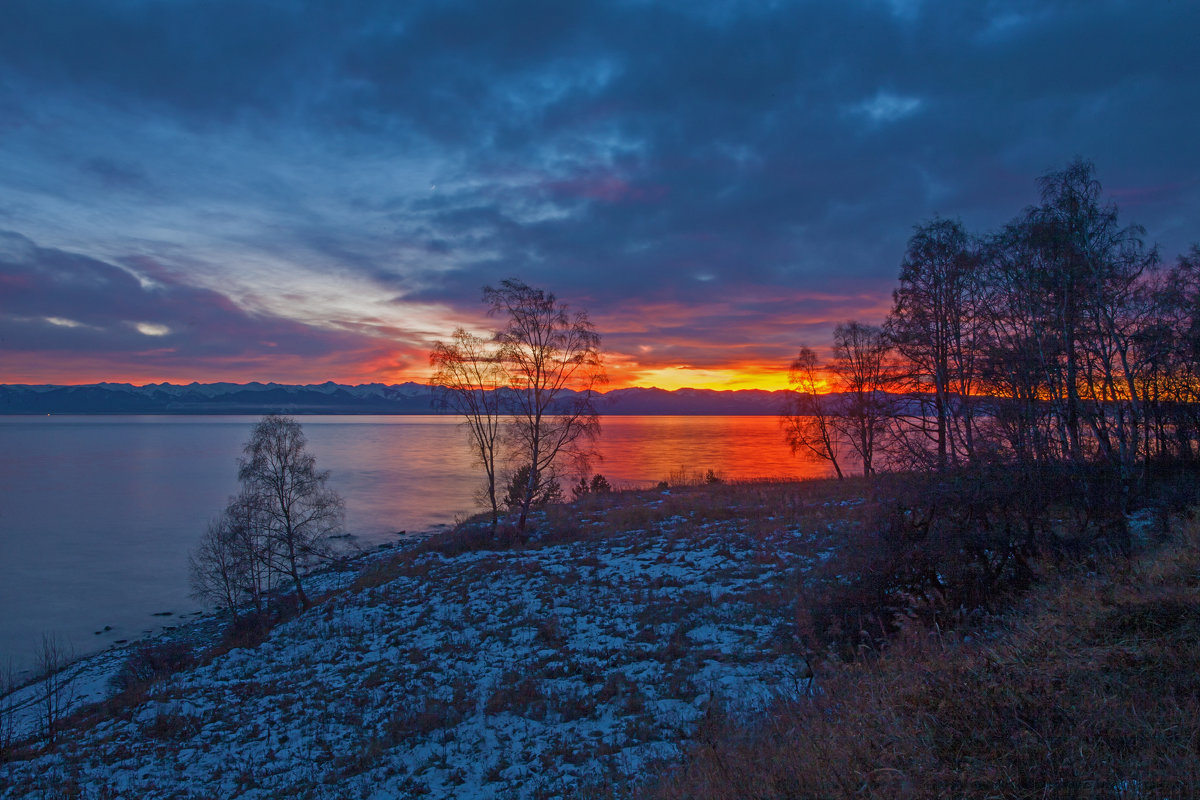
(1070, 309)
(860, 363)
(468, 375)
(808, 419)
(936, 329)
(1015, 349)
(1094, 268)
(1057, 344)
(598, 485)
(1173, 390)
(554, 367)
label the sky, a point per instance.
(290, 191)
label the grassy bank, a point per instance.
(1088, 688)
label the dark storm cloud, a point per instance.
(622, 154)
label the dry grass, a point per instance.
(1091, 689)
(598, 516)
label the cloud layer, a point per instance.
(229, 190)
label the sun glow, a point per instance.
(688, 377)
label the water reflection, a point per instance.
(643, 450)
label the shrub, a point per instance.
(547, 491)
(941, 547)
(172, 726)
(1083, 695)
(249, 630)
(581, 489)
(377, 573)
(152, 663)
(598, 485)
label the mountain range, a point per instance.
(333, 398)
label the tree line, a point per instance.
(1060, 339)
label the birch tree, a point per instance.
(551, 355)
(860, 363)
(935, 327)
(468, 378)
(808, 421)
(299, 512)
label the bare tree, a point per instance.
(807, 420)
(1175, 351)
(235, 562)
(552, 358)
(468, 376)
(252, 541)
(217, 569)
(56, 696)
(1019, 356)
(860, 362)
(282, 487)
(936, 329)
(8, 710)
(1092, 269)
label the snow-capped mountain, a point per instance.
(334, 398)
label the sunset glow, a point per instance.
(683, 377)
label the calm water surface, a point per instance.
(98, 513)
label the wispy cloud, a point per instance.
(889, 107)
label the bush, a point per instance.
(547, 491)
(598, 485)
(152, 663)
(249, 630)
(1088, 693)
(941, 547)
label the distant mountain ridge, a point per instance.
(334, 398)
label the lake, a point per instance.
(98, 513)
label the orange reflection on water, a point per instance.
(644, 450)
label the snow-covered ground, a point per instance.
(516, 673)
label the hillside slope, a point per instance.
(578, 659)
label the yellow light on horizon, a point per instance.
(683, 377)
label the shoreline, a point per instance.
(577, 592)
(98, 667)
